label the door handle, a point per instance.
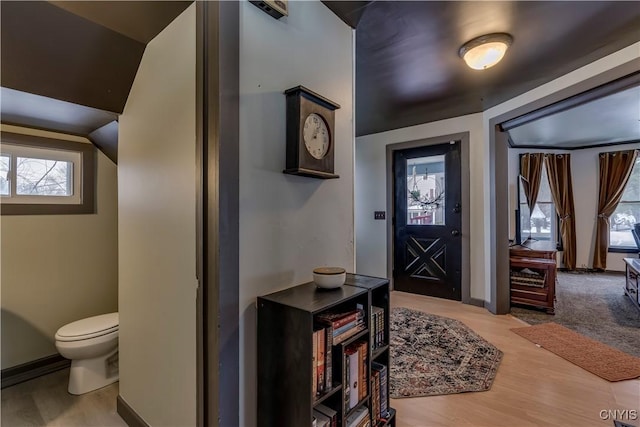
(456, 208)
(455, 233)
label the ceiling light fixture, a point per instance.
(485, 51)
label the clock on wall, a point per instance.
(310, 134)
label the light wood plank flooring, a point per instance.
(533, 386)
(44, 401)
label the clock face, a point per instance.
(316, 136)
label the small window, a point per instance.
(5, 161)
(45, 176)
(627, 213)
(542, 222)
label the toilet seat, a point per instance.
(88, 328)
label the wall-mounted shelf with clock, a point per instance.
(310, 134)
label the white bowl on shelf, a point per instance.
(329, 277)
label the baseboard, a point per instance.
(589, 270)
(477, 302)
(30, 370)
(129, 416)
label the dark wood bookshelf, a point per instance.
(286, 321)
(378, 290)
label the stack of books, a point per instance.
(343, 325)
(377, 328)
(331, 329)
(379, 398)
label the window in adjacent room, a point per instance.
(45, 176)
(543, 218)
(627, 213)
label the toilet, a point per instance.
(92, 346)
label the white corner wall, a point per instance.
(157, 226)
(585, 172)
(57, 269)
(289, 224)
(371, 194)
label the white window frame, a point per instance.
(73, 157)
(624, 248)
(81, 154)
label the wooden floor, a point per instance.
(44, 401)
(533, 386)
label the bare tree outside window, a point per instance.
(5, 161)
(627, 212)
(43, 177)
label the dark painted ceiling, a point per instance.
(408, 70)
(85, 54)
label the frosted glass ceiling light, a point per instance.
(485, 51)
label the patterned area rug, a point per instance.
(433, 355)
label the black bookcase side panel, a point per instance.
(285, 365)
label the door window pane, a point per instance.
(43, 177)
(425, 191)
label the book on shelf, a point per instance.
(362, 351)
(348, 334)
(377, 327)
(314, 363)
(354, 374)
(328, 358)
(382, 372)
(338, 320)
(360, 418)
(375, 394)
(320, 360)
(329, 413)
(321, 419)
(345, 381)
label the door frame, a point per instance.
(465, 183)
(217, 219)
(499, 215)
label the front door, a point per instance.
(427, 221)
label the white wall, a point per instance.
(57, 268)
(585, 171)
(289, 224)
(157, 201)
(371, 185)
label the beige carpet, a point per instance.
(591, 355)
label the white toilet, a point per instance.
(92, 346)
